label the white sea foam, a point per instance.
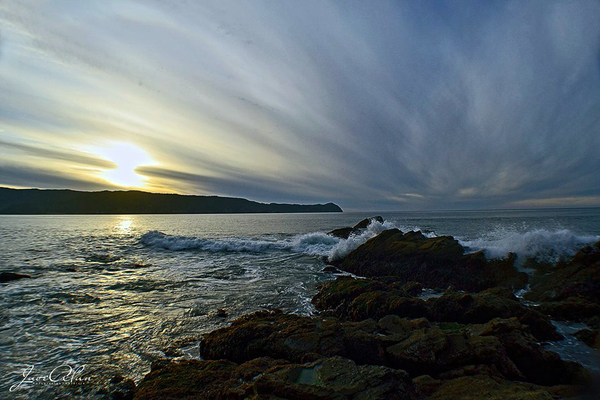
(545, 244)
(170, 242)
(345, 246)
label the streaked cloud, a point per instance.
(386, 105)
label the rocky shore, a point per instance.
(378, 337)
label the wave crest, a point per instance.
(542, 243)
(172, 242)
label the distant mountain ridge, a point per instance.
(65, 201)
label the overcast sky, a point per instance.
(372, 105)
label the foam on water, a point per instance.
(548, 245)
(545, 244)
(177, 243)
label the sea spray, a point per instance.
(547, 245)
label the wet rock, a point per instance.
(333, 378)
(485, 387)
(118, 388)
(570, 309)
(342, 233)
(357, 299)
(343, 290)
(345, 233)
(327, 378)
(6, 276)
(500, 348)
(577, 278)
(276, 335)
(222, 313)
(437, 262)
(190, 379)
(433, 350)
(536, 364)
(493, 303)
(331, 269)
(591, 337)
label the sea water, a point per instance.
(112, 293)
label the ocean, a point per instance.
(112, 293)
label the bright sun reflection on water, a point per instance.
(124, 226)
(127, 157)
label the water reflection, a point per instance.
(124, 225)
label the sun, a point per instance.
(127, 157)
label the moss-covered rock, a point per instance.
(579, 277)
(437, 262)
(493, 303)
(357, 299)
(484, 387)
(263, 378)
(536, 364)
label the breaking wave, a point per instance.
(545, 244)
(171, 242)
(314, 243)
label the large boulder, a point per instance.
(437, 262)
(294, 338)
(345, 233)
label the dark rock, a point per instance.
(357, 299)
(570, 309)
(333, 378)
(222, 313)
(6, 276)
(485, 387)
(276, 335)
(342, 233)
(118, 388)
(264, 378)
(501, 348)
(591, 337)
(437, 262)
(345, 233)
(580, 277)
(190, 379)
(367, 221)
(482, 307)
(537, 365)
(331, 269)
(433, 350)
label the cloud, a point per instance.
(57, 154)
(24, 176)
(387, 105)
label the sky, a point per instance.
(399, 105)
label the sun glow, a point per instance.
(127, 157)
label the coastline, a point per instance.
(375, 337)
